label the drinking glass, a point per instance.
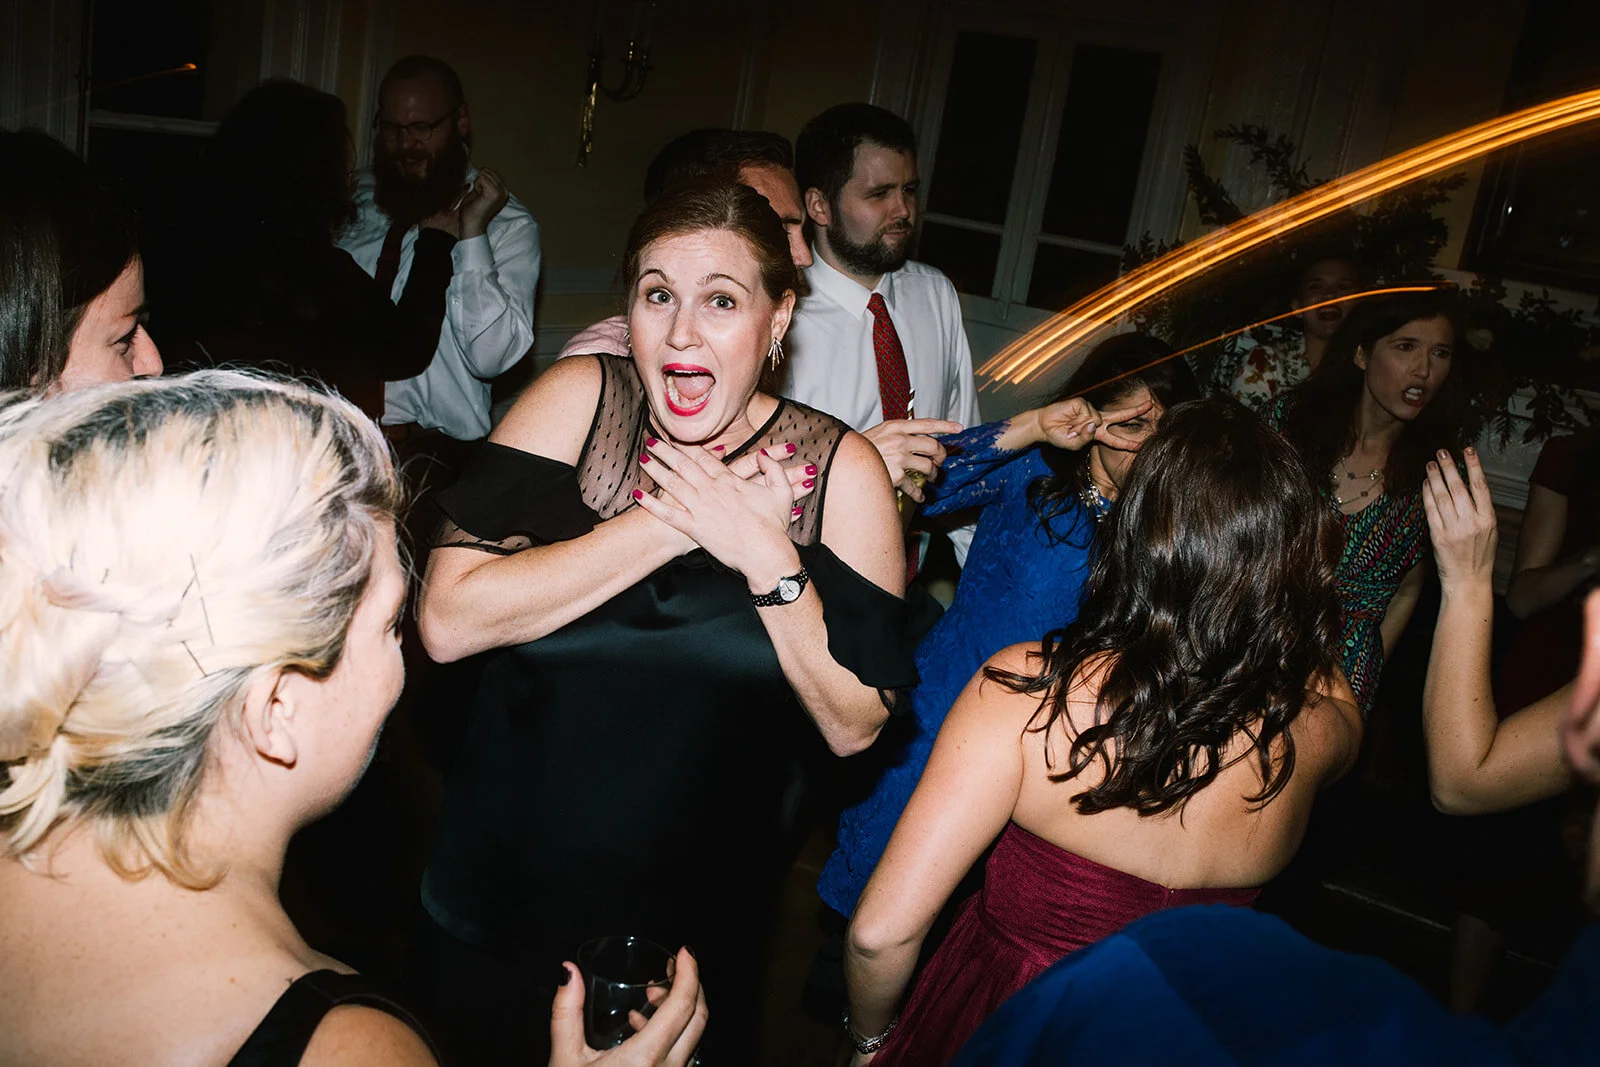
(618, 973)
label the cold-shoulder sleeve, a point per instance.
(976, 472)
(871, 633)
(505, 492)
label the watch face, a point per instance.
(789, 590)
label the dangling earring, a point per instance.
(775, 354)
(627, 340)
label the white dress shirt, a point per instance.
(488, 322)
(832, 365)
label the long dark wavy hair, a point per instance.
(1170, 381)
(1321, 417)
(1211, 603)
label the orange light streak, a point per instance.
(1050, 342)
(1263, 322)
(184, 69)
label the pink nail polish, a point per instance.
(790, 448)
(811, 468)
(651, 442)
(717, 448)
(795, 510)
(638, 494)
(644, 457)
(807, 484)
(764, 452)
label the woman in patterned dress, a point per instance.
(1386, 397)
(1259, 374)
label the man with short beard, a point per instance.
(421, 177)
(879, 340)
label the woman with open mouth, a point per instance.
(1257, 375)
(1388, 395)
(681, 581)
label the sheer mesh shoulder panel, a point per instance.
(816, 438)
(609, 471)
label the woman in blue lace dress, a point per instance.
(1042, 494)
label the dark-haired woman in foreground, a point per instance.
(1163, 750)
(1386, 397)
(1044, 490)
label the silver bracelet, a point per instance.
(868, 1045)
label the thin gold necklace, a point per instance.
(1372, 478)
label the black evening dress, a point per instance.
(624, 774)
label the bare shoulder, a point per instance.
(352, 1036)
(860, 522)
(989, 702)
(1020, 658)
(553, 415)
(858, 467)
(1329, 727)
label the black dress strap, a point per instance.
(281, 1038)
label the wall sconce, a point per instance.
(635, 66)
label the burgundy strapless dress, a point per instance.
(1038, 903)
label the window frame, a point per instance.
(1160, 194)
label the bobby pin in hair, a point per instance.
(204, 614)
(203, 672)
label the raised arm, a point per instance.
(490, 301)
(967, 794)
(1476, 762)
(474, 599)
(387, 340)
(981, 462)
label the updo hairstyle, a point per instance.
(163, 544)
(717, 205)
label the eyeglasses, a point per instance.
(417, 131)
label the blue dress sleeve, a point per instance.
(976, 472)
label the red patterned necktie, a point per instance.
(894, 393)
(389, 259)
(894, 381)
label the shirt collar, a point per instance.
(844, 290)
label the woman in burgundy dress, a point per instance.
(1162, 750)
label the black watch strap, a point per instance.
(787, 592)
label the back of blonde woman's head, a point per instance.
(163, 544)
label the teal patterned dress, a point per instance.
(1382, 542)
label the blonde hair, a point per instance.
(164, 543)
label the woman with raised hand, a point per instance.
(1164, 749)
(72, 309)
(1045, 480)
(1477, 761)
(1388, 394)
(678, 580)
(199, 604)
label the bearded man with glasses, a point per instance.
(421, 186)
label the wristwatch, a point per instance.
(788, 591)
